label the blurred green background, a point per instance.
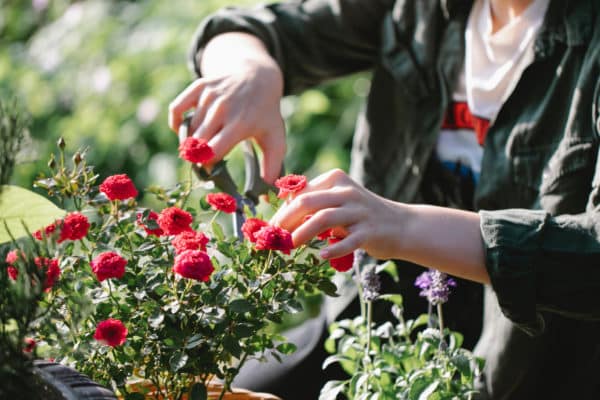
(101, 73)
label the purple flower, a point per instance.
(435, 285)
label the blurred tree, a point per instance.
(102, 72)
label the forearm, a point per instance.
(237, 51)
(442, 238)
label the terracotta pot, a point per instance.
(214, 390)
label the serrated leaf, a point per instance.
(178, 360)
(198, 392)
(20, 206)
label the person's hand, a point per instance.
(334, 200)
(236, 101)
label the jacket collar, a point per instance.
(567, 21)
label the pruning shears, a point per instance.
(254, 185)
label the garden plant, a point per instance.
(156, 303)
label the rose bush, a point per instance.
(160, 295)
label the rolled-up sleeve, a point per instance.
(537, 262)
(311, 40)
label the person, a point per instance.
(487, 109)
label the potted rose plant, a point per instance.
(159, 303)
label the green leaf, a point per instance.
(331, 390)
(20, 206)
(463, 364)
(198, 392)
(328, 287)
(393, 298)
(286, 348)
(240, 306)
(232, 345)
(218, 231)
(422, 388)
(178, 360)
(390, 268)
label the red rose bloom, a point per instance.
(111, 332)
(193, 264)
(13, 273)
(52, 271)
(190, 240)
(152, 216)
(29, 345)
(343, 263)
(118, 187)
(75, 226)
(109, 265)
(222, 202)
(251, 227)
(12, 257)
(195, 150)
(48, 231)
(274, 238)
(174, 220)
(290, 184)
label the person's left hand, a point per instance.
(362, 218)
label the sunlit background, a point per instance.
(101, 73)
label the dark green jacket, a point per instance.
(538, 193)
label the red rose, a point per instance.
(52, 271)
(111, 332)
(29, 345)
(190, 240)
(343, 263)
(251, 227)
(195, 150)
(174, 220)
(290, 184)
(193, 264)
(222, 202)
(152, 216)
(118, 187)
(323, 235)
(12, 257)
(75, 226)
(109, 265)
(48, 231)
(13, 273)
(274, 238)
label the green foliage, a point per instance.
(101, 73)
(408, 359)
(13, 123)
(181, 332)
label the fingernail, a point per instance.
(324, 253)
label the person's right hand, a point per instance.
(237, 101)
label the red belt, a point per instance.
(458, 116)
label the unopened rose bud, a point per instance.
(61, 143)
(52, 162)
(77, 158)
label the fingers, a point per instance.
(342, 218)
(353, 241)
(185, 101)
(273, 148)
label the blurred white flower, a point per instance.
(147, 110)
